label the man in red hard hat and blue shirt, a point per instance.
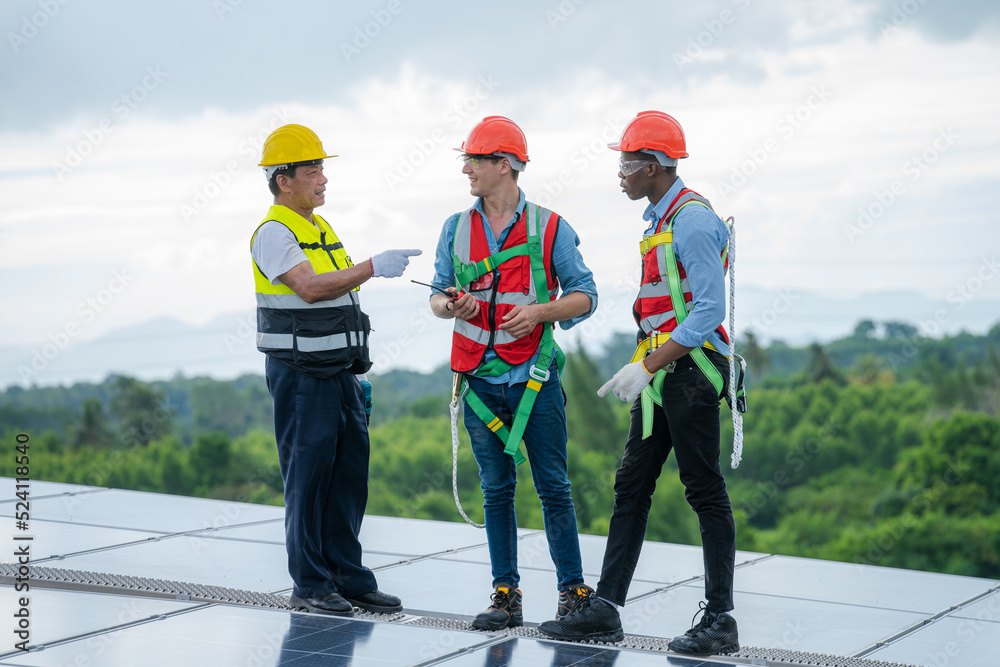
(311, 327)
(674, 382)
(503, 262)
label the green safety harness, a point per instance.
(652, 394)
(539, 372)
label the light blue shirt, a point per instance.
(567, 265)
(699, 237)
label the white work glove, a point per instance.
(391, 263)
(627, 383)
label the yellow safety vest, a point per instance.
(319, 339)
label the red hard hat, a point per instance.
(496, 134)
(653, 130)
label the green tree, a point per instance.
(210, 459)
(142, 411)
(864, 329)
(758, 362)
(590, 420)
(218, 406)
(820, 367)
(93, 429)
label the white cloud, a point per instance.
(837, 120)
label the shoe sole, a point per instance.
(606, 637)
(375, 609)
(511, 623)
(299, 603)
(728, 648)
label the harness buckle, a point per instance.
(539, 374)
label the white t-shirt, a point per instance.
(276, 250)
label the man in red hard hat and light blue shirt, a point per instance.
(503, 261)
(311, 327)
(675, 380)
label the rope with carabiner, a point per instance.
(737, 415)
(455, 391)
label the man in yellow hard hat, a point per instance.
(510, 258)
(674, 382)
(315, 335)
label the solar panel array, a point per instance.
(790, 610)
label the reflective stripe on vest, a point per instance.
(501, 289)
(654, 308)
(319, 338)
(304, 344)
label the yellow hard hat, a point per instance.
(291, 144)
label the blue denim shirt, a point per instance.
(699, 237)
(567, 264)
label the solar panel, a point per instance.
(169, 561)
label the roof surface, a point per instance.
(195, 581)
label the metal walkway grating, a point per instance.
(77, 580)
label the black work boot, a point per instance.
(569, 599)
(505, 612)
(591, 619)
(714, 633)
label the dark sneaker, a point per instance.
(590, 620)
(377, 602)
(569, 599)
(331, 604)
(505, 612)
(714, 633)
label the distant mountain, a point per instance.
(406, 335)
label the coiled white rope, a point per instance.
(454, 462)
(737, 415)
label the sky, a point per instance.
(854, 142)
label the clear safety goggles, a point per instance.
(629, 167)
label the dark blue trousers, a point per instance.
(322, 443)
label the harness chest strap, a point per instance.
(652, 394)
(539, 372)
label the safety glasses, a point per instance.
(475, 161)
(629, 167)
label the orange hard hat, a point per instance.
(653, 131)
(493, 135)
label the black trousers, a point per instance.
(322, 442)
(688, 424)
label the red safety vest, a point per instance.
(499, 291)
(653, 308)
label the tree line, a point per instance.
(880, 448)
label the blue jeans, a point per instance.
(545, 447)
